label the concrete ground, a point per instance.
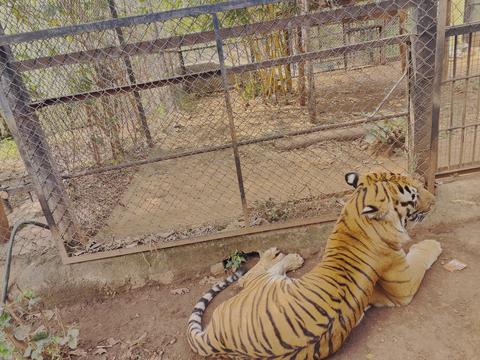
(108, 300)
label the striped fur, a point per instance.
(277, 317)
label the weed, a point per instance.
(234, 261)
(8, 150)
(27, 331)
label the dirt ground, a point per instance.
(442, 322)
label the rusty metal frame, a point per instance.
(350, 13)
(314, 55)
(437, 92)
(201, 239)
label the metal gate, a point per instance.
(459, 145)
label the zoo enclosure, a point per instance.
(129, 139)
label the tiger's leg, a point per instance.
(401, 282)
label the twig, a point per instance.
(384, 100)
(59, 321)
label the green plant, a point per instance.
(27, 331)
(8, 150)
(388, 131)
(236, 259)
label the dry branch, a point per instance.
(301, 142)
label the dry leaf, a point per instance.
(180, 291)
(139, 340)
(100, 351)
(463, 202)
(78, 352)
(454, 265)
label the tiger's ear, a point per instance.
(352, 178)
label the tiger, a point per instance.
(364, 264)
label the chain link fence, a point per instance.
(148, 124)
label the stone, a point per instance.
(217, 269)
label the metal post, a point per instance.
(437, 90)
(131, 78)
(25, 127)
(424, 47)
(306, 38)
(231, 123)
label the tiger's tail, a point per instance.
(195, 329)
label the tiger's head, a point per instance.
(391, 200)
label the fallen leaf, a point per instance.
(100, 351)
(79, 352)
(139, 340)
(72, 338)
(370, 356)
(454, 265)
(180, 291)
(21, 332)
(49, 314)
(464, 202)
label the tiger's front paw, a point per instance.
(429, 250)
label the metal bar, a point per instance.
(424, 45)
(465, 100)
(310, 76)
(460, 78)
(437, 91)
(387, 96)
(11, 190)
(351, 13)
(197, 240)
(474, 146)
(214, 73)
(124, 89)
(132, 20)
(131, 77)
(231, 121)
(227, 146)
(364, 28)
(459, 127)
(28, 134)
(452, 95)
(445, 172)
(462, 29)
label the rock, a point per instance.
(217, 269)
(165, 278)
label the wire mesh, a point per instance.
(139, 126)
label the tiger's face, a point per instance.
(391, 197)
